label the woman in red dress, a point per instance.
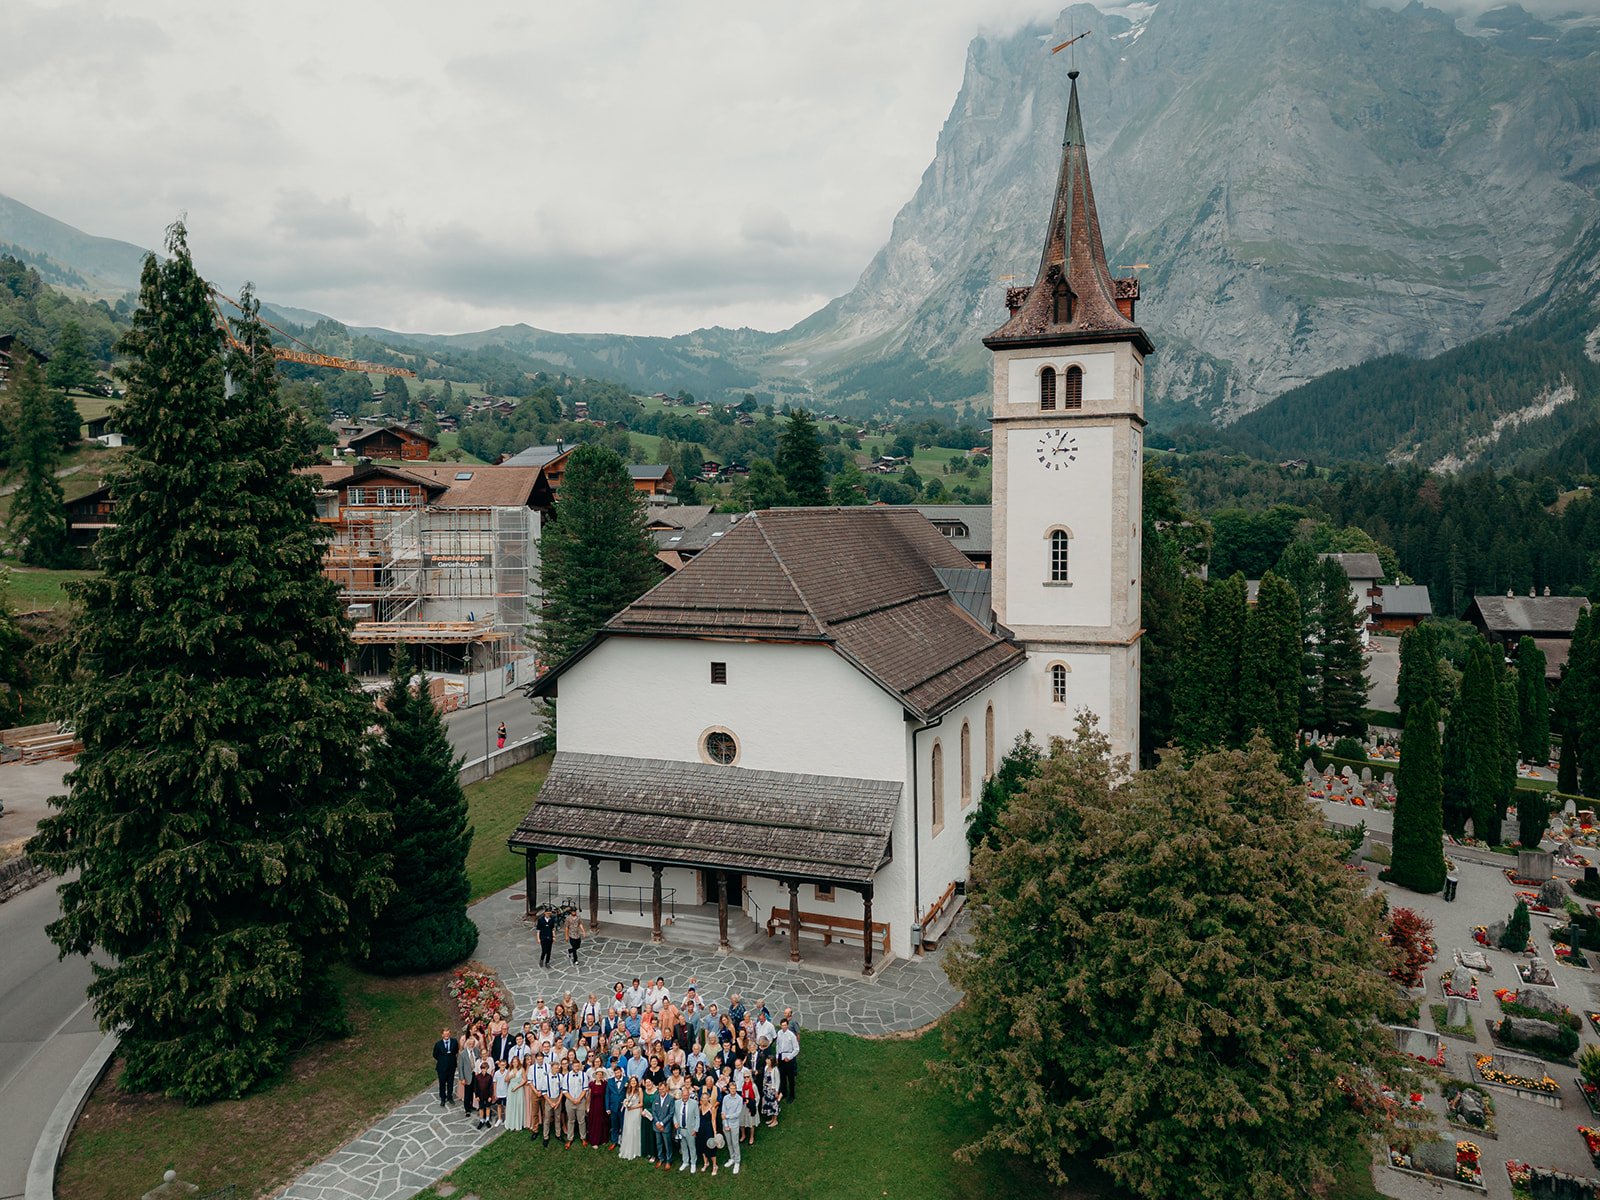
(597, 1134)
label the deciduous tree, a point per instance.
(225, 847)
(1127, 977)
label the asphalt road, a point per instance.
(47, 1030)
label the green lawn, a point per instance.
(124, 1141)
(497, 805)
(450, 439)
(32, 588)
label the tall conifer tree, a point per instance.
(1269, 690)
(1223, 652)
(1419, 803)
(225, 847)
(1457, 771)
(1161, 647)
(425, 926)
(596, 557)
(1480, 734)
(1505, 690)
(800, 460)
(1190, 719)
(1341, 675)
(1419, 668)
(1580, 703)
(1533, 703)
(38, 520)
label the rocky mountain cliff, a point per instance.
(1314, 183)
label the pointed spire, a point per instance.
(1074, 297)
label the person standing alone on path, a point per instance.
(446, 1053)
(500, 737)
(575, 932)
(546, 928)
(1451, 882)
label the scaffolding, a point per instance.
(456, 584)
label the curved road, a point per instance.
(47, 1029)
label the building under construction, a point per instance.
(441, 559)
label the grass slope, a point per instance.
(497, 805)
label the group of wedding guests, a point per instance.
(636, 1070)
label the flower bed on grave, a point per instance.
(1568, 957)
(1591, 1095)
(1531, 974)
(1521, 881)
(479, 996)
(1591, 1141)
(1461, 1164)
(1469, 1163)
(1521, 1176)
(1535, 905)
(1509, 1006)
(1526, 1083)
(1447, 987)
(1594, 1020)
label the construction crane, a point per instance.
(1069, 41)
(304, 354)
(1133, 266)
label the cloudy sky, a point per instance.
(626, 165)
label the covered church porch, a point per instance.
(671, 837)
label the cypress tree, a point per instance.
(1533, 704)
(596, 557)
(1162, 644)
(1515, 938)
(1506, 695)
(1269, 691)
(425, 926)
(1419, 803)
(226, 848)
(1580, 703)
(1457, 775)
(1222, 646)
(1480, 711)
(1341, 674)
(1299, 567)
(1533, 818)
(1190, 698)
(800, 460)
(38, 518)
(1419, 668)
(1567, 767)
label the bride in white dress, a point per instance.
(632, 1121)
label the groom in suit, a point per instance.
(662, 1117)
(446, 1051)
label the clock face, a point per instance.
(1057, 450)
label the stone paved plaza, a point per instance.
(419, 1142)
(1527, 1131)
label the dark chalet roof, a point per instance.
(768, 823)
(1551, 616)
(864, 581)
(1075, 255)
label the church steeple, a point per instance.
(1074, 298)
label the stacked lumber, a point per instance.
(36, 743)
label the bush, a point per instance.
(1380, 854)
(1589, 1065)
(1515, 938)
(1348, 747)
(1561, 1046)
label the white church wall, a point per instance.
(1098, 363)
(790, 707)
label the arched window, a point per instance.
(1047, 389)
(937, 772)
(988, 742)
(1060, 541)
(1058, 683)
(966, 764)
(1072, 394)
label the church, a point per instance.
(835, 684)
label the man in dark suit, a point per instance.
(445, 1053)
(500, 1046)
(546, 927)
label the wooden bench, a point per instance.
(829, 926)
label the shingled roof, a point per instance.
(862, 580)
(1074, 261)
(769, 823)
(1545, 615)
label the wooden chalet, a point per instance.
(392, 442)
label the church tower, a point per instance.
(1068, 463)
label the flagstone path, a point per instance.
(419, 1142)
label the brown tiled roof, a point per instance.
(863, 580)
(488, 487)
(1074, 253)
(763, 822)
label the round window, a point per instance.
(720, 747)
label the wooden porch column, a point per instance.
(722, 909)
(531, 868)
(866, 926)
(594, 895)
(655, 905)
(794, 921)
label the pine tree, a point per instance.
(38, 520)
(226, 849)
(1480, 711)
(596, 556)
(70, 365)
(800, 460)
(13, 656)
(1419, 803)
(425, 926)
(1533, 704)
(1341, 678)
(1269, 690)
(1419, 668)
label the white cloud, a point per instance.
(627, 166)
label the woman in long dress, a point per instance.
(596, 1134)
(771, 1091)
(516, 1097)
(632, 1121)
(710, 1126)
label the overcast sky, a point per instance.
(627, 166)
